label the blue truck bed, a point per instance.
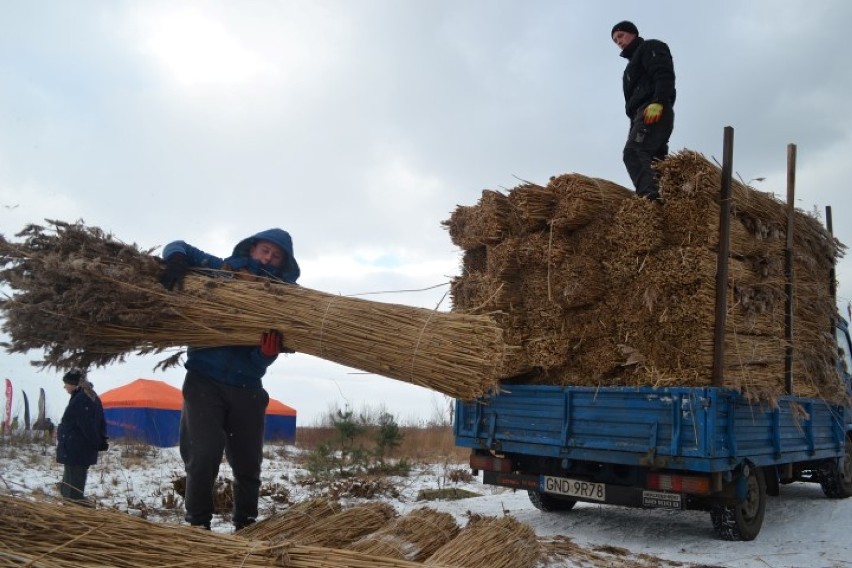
(705, 429)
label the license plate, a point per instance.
(661, 500)
(573, 488)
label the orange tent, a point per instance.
(144, 393)
(279, 408)
(144, 410)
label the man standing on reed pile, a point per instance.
(80, 436)
(649, 96)
(224, 402)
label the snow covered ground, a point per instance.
(802, 528)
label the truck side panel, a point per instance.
(700, 429)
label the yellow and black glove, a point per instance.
(653, 112)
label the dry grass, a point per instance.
(419, 443)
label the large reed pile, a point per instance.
(600, 287)
(49, 534)
(88, 299)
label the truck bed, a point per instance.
(707, 429)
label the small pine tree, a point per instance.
(387, 437)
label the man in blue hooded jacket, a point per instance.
(224, 402)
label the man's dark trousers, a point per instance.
(219, 418)
(646, 143)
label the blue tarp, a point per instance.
(280, 427)
(161, 427)
(153, 426)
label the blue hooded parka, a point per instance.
(242, 366)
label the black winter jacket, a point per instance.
(649, 76)
(81, 430)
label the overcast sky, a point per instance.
(359, 125)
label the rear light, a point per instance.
(679, 483)
(490, 463)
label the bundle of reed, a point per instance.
(483, 293)
(414, 536)
(559, 549)
(474, 260)
(294, 520)
(688, 174)
(637, 226)
(684, 266)
(458, 226)
(534, 205)
(319, 557)
(582, 200)
(544, 250)
(87, 299)
(345, 527)
(696, 224)
(488, 222)
(575, 284)
(490, 543)
(604, 359)
(502, 259)
(51, 534)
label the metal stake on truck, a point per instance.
(700, 448)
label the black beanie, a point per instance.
(624, 26)
(72, 378)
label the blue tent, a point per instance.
(144, 410)
(280, 422)
(149, 411)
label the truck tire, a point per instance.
(550, 503)
(836, 481)
(743, 520)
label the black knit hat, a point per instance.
(72, 378)
(624, 26)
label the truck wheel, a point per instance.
(836, 481)
(743, 520)
(547, 502)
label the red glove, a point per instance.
(270, 343)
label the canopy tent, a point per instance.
(149, 411)
(280, 421)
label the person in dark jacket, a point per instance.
(649, 97)
(80, 436)
(224, 402)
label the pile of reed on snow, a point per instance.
(414, 536)
(347, 526)
(599, 287)
(88, 299)
(49, 533)
(490, 542)
(295, 519)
